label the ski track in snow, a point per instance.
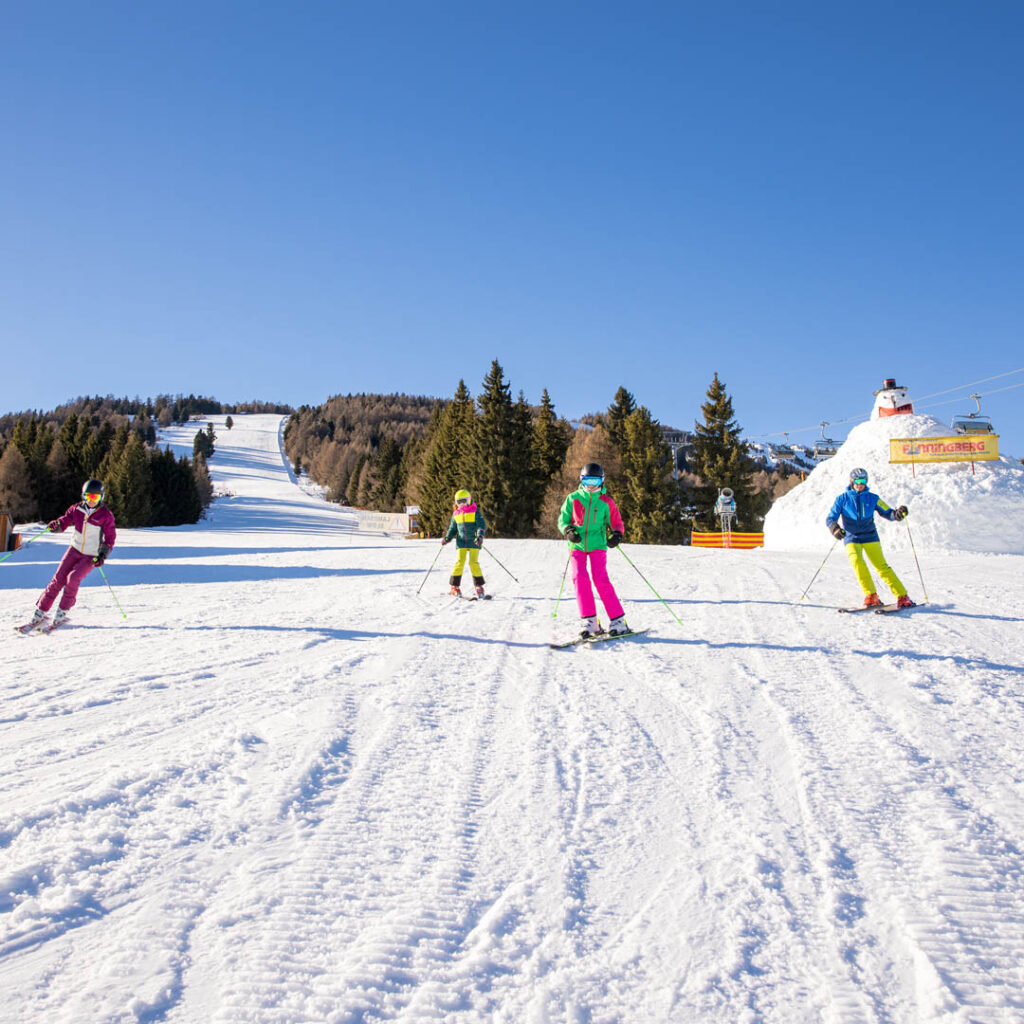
(288, 789)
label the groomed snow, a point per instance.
(287, 789)
(952, 506)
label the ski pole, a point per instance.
(916, 562)
(648, 582)
(498, 560)
(820, 567)
(554, 614)
(25, 545)
(432, 564)
(112, 594)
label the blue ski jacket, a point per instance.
(858, 515)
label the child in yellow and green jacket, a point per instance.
(467, 529)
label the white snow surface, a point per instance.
(288, 789)
(952, 507)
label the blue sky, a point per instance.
(287, 201)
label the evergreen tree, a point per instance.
(129, 485)
(77, 452)
(500, 453)
(174, 496)
(445, 468)
(62, 483)
(551, 440)
(68, 437)
(42, 444)
(386, 490)
(204, 485)
(229, 423)
(619, 411)
(16, 493)
(23, 436)
(721, 459)
(525, 485)
(647, 496)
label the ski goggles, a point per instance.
(462, 501)
(860, 480)
(591, 481)
(92, 496)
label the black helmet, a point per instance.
(592, 477)
(93, 487)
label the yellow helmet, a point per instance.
(462, 497)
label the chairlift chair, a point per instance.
(784, 451)
(826, 447)
(973, 422)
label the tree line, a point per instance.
(45, 457)
(520, 461)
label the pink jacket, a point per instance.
(92, 526)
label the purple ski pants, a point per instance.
(73, 568)
(599, 572)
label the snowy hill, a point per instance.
(951, 507)
(287, 789)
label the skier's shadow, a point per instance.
(327, 633)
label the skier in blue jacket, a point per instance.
(857, 506)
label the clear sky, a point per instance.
(286, 201)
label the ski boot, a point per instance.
(455, 591)
(591, 627)
(60, 618)
(455, 582)
(479, 592)
(37, 621)
(903, 601)
(871, 601)
(618, 627)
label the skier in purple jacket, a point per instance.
(95, 534)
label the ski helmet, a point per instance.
(592, 476)
(93, 487)
(462, 497)
(858, 475)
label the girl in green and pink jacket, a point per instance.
(591, 523)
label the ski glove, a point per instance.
(479, 540)
(837, 531)
(54, 526)
(571, 534)
(615, 538)
(102, 556)
(900, 513)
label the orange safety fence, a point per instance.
(738, 541)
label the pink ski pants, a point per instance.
(581, 580)
(73, 568)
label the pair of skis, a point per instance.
(45, 628)
(878, 609)
(600, 638)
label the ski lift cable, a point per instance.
(960, 387)
(981, 394)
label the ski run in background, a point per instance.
(287, 789)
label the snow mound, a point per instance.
(951, 508)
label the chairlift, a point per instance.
(973, 422)
(826, 447)
(784, 451)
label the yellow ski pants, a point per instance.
(474, 563)
(856, 553)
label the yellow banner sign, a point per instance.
(984, 448)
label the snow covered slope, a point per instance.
(951, 507)
(288, 789)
